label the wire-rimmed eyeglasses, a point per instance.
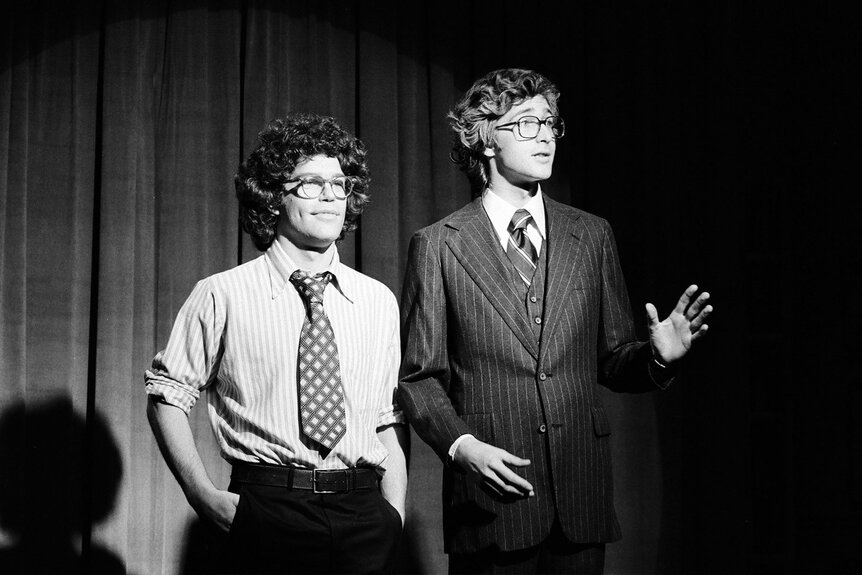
(528, 127)
(311, 186)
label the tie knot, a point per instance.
(519, 221)
(310, 287)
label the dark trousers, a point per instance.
(555, 554)
(278, 530)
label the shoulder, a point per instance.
(366, 287)
(576, 218)
(236, 279)
(452, 222)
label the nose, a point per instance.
(328, 193)
(545, 134)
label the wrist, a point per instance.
(659, 363)
(453, 450)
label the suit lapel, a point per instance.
(479, 253)
(564, 258)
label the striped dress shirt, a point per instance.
(500, 213)
(237, 336)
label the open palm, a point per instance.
(672, 337)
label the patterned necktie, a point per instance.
(321, 397)
(520, 249)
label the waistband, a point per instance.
(316, 480)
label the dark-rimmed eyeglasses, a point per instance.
(311, 186)
(528, 127)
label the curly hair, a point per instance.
(282, 145)
(475, 115)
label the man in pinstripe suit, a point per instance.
(514, 308)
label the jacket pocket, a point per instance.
(601, 424)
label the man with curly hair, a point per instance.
(514, 309)
(300, 355)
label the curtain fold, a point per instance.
(121, 127)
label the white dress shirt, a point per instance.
(500, 213)
(237, 336)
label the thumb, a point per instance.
(652, 315)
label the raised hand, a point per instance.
(673, 337)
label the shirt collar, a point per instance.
(281, 267)
(500, 212)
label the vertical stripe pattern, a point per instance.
(236, 337)
(520, 249)
(472, 365)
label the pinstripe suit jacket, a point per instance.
(472, 364)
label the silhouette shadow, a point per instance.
(59, 475)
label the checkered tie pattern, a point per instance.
(520, 249)
(321, 397)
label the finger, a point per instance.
(685, 298)
(514, 481)
(500, 484)
(491, 486)
(698, 304)
(700, 333)
(512, 459)
(652, 315)
(697, 322)
(492, 491)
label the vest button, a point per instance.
(538, 320)
(533, 298)
(543, 376)
(543, 428)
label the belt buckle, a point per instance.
(314, 475)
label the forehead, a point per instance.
(536, 106)
(320, 165)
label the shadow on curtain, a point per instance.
(49, 499)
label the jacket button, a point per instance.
(537, 319)
(543, 428)
(543, 376)
(533, 299)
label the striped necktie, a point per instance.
(520, 249)
(321, 397)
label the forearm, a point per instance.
(396, 439)
(173, 434)
(628, 369)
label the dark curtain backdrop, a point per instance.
(720, 139)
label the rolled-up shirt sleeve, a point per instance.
(189, 362)
(390, 412)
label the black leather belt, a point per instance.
(317, 480)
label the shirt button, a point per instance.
(543, 428)
(543, 376)
(533, 298)
(538, 319)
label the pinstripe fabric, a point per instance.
(472, 365)
(237, 335)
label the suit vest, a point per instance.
(533, 295)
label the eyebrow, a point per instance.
(531, 111)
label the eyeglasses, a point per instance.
(529, 126)
(311, 186)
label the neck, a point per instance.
(516, 195)
(308, 260)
